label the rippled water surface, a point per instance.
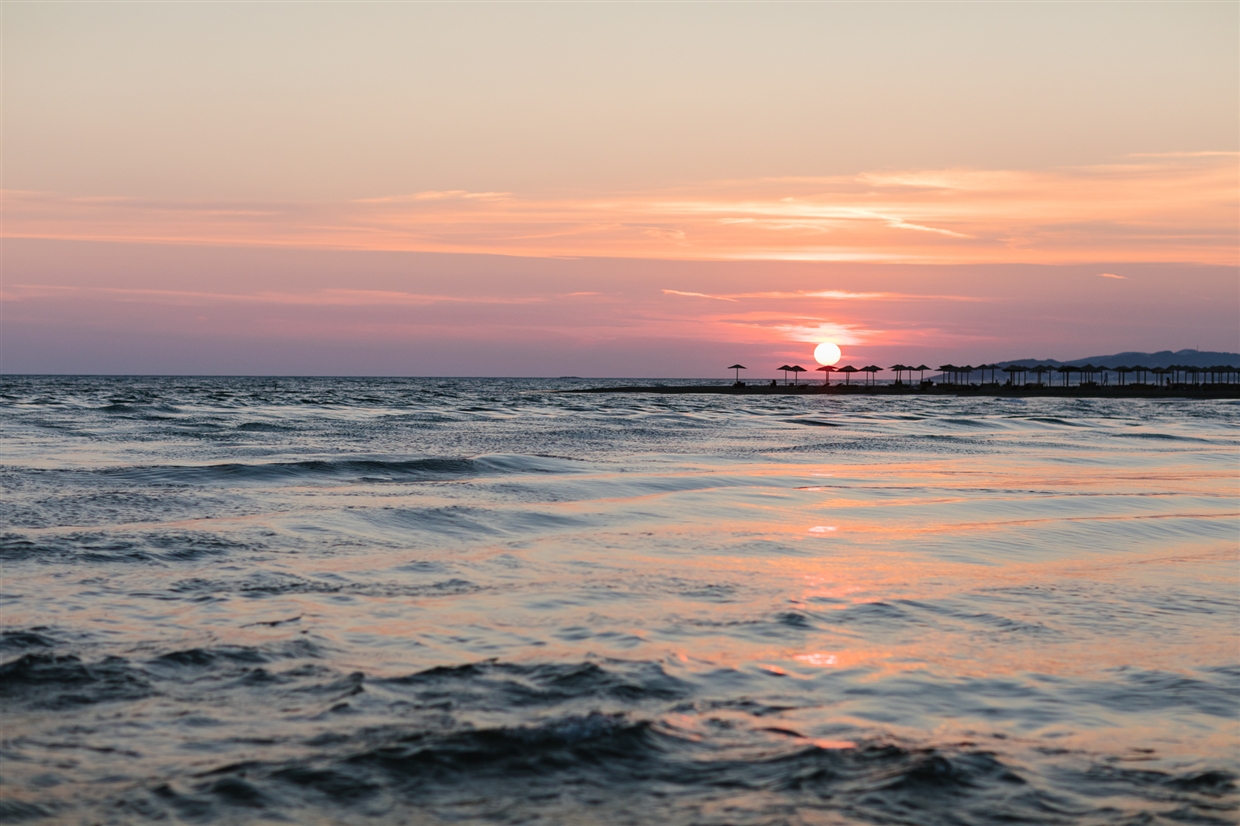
(434, 601)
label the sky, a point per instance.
(613, 189)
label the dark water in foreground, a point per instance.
(424, 601)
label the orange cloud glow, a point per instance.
(1152, 208)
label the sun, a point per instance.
(826, 353)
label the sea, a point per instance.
(477, 601)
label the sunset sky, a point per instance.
(613, 189)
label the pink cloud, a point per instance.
(1179, 207)
(76, 306)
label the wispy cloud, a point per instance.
(328, 297)
(1112, 275)
(436, 195)
(829, 295)
(698, 295)
(1171, 207)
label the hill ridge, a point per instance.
(1162, 358)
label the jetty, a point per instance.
(1019, 391)
(1019, 380)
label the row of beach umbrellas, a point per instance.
(1175, 374)
(828, 369)
(954, 374)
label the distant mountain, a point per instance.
(1163, 358)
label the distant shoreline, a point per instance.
(1130, 391)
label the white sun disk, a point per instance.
(827, 353)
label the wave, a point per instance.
(1171, 437)
(521, 686)
(814, 422)
(599, 741)
(103, 547)
(58, 682)
(614, 768)
(368, 470)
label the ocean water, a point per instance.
(248, 600)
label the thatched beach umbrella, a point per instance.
(796, 368)
(848, 370)
(1120, 372)
(898, 369)
(785, 368)
(871, 370)
(1013, 370)
(826, 370)
(1040, 370)
(1091, 372)
(949, 372)
(921, 371)
(738, 368)
(1066, 370)
(1221, 374)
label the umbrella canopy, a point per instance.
(900, 368)
(785, 368)
(827, 370)
(921, 371)
(738, 368)
(848, 370)
(871, 369)
(1221, 373)
(796, 368)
